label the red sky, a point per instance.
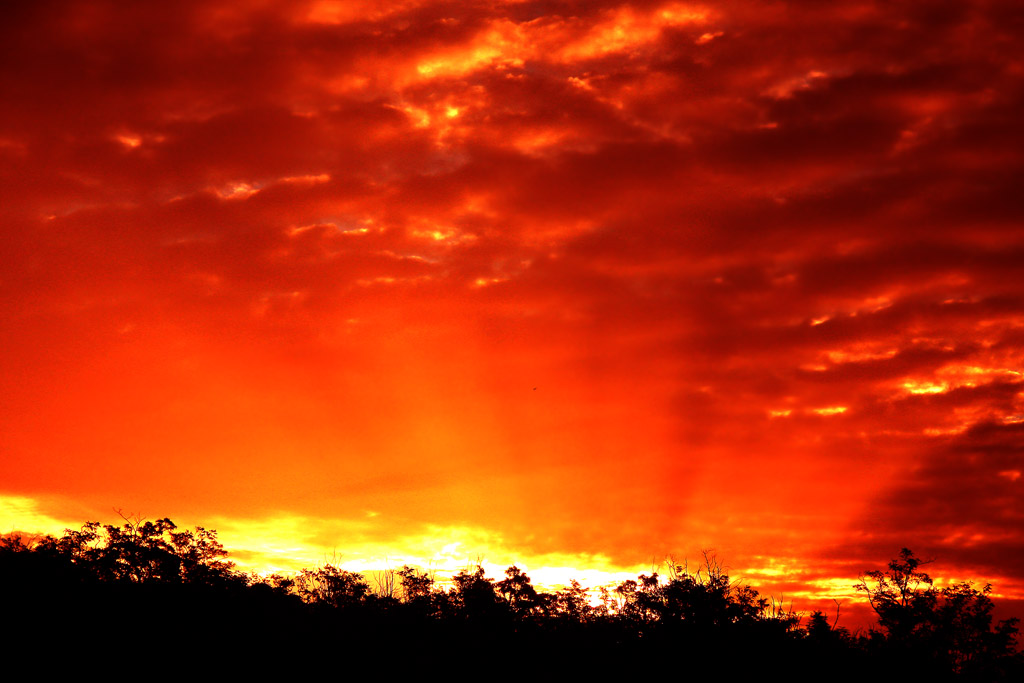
(565, 282)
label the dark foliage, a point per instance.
(158, 598)
(938, 631)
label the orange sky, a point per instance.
(568, 283)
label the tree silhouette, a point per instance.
(416, 584)
(949, 630)
(474, 595)
(152, 578)
(902, 596)
(571, 604)
(518, 591)
(964, 632)
(144, 552)
(331, 586)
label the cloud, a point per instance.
(612, 278)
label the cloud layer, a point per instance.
(607, 278)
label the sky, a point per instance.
(578, 285)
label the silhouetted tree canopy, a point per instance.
(145, 585)
(948, 630)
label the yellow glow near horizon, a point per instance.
(284, 544)
(21, 514)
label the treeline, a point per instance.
(149, 594)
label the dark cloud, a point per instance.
(960, 502)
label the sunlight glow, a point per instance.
(857, 354)
(236, 191)
(286, 544)
(920, 387)
(406, 281)
(786, 89)
(506, 44)
(831, 410)
(129, 140)
(706, 38)
(307, 179)
(21, 513)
